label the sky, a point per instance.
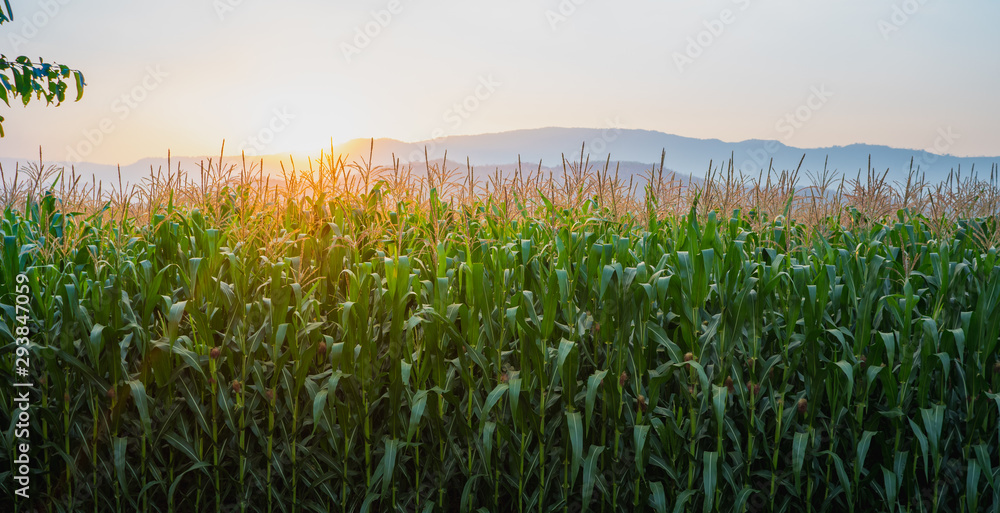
(271, 76)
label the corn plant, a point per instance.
(531, 348)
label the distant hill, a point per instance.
(637, 151)
(685, 155)
(138, 171)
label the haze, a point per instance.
(290, 76)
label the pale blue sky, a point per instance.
(274, 76)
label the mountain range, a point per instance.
(635, 151)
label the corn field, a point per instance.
(363, 339)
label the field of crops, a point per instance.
(358, 339)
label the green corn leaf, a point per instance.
(489, 429)
(719, 398)
(682, 499)
(190, 358)
(639, 437)
(606, 276)
(742, 498)
(972, 477)
(575, 425)
(319, 405)
(593, 387)
(799, 443)
(195, 407)
(226, 407)
(658, 498)
(899, 463)
(388, 464)
(891, 488)
(848, 371)
(370, 498)
(93, 379)
(467, 492)
(568, 368)
(491, 400)
(933, 424)
(983, 459)
(183, 445)
(180, 476)
(889, 341)
(590, 474)
(514, 392)
(120, 444)
(417, 408)
(922, 441)
(710, 479)
(838, 465)
(138, 393)
(863, 446)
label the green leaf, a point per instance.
(79, 84)
(226, 406)
(983, 459)
(568, 362)
(120, 445)
(639, 437)
(515, 395)
(682, 500)
(848, 371)
(922, 440)
(972, 485)
(608, 273)
(183, 445)
(891, 488)
(180, 476)
(838, 464)
(138, 393)
(658, 497)
(388, 463)
(489, 429)
(491, 400)
(863, 445)
(593, 386)
(710, 478)
(798, 457)
(933, 424)
(575, 425)
(417, 407)
(96, 344)
(719, 397)
(590, 474)
(741, 498)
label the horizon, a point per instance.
(228, 153)
(820, 76)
